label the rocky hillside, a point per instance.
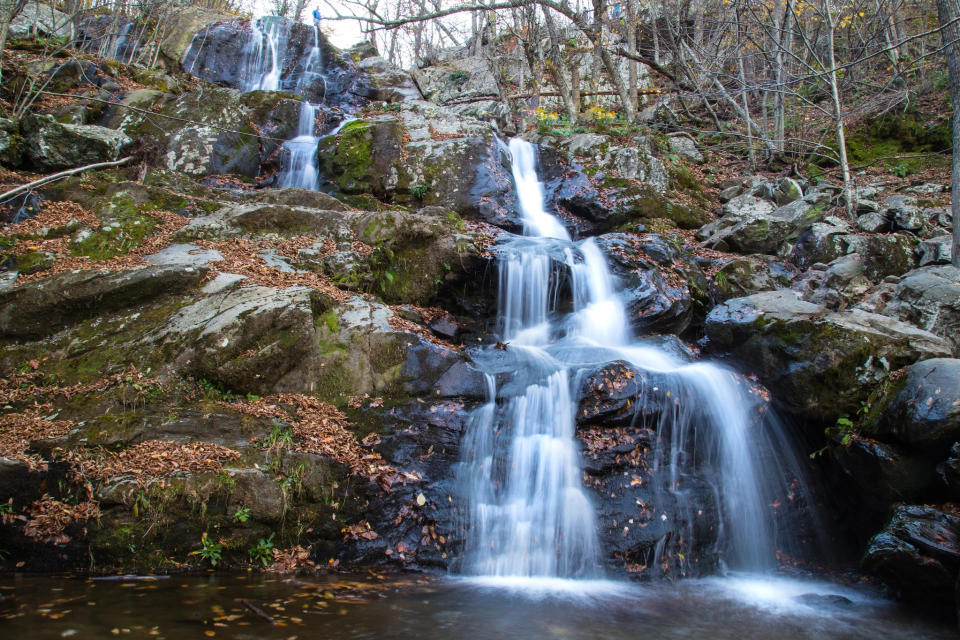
(197, 364)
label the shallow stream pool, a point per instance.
(425, 608)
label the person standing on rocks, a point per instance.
(317, 18)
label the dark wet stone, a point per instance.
(918, 553)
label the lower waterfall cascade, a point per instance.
(529, 513)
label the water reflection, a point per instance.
(740, 607)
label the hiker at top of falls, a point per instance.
(317, 18)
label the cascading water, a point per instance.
(121, 41)
(529, 514)
(261, 56)
(301, 169)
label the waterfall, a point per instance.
(301, 169)
(121, 41)
(528, 512)
(261, 56)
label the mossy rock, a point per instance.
(642, 204)
(364, 156)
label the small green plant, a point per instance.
(458, 77)
(242, 515)
(262, 552)
(281, 437)
(419, 191)
(209, 550)
(140, 504)
(6, 508)
(722, 280)
(901, 170)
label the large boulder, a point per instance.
(818, 363)
(458, 80)
(929, 297)
(41, 308)
(924, 414)
(750, 224)
(918, 553)
(44, 19)
(182, 26)
(52, 146)
(426, 156)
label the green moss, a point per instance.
(893, 134)
(32, 262)
(331, 320)
(122, 231)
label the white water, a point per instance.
(529, 515)
(120, 41)
(301, 169)
(261, 60)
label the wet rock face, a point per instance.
(219, 55)
(925, 414)
(658, 280)
(918, 552)
(818, 363)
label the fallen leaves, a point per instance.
(322, 429)
(240, 256)
(48, 519)
(155, 459)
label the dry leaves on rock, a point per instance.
(18, 430)
(47, 518)
(359, 531)
(240, 257)
(168, 223)
(322, 429)
(155, 459)
(290, 560)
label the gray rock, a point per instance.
(462, 79)
(819, 364)
(926, 189)
(903, 213)
(47, 20)
(52, 146)
(787, 191)
(730, 193)
(751, 225)
(935, 251)
(929, 297)
(872, 222)
(684, 146)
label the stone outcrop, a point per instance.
(818, 363)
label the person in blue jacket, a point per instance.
(317, 18)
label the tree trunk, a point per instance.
(837, 109)
(949, 11)
(558, 72)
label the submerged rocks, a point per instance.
(918, 553)
(818, 363)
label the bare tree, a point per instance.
(949, 12)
